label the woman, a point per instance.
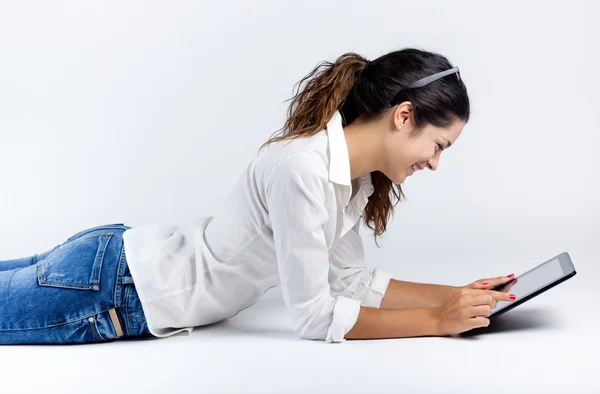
(353, 134)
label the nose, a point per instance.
(433, 162)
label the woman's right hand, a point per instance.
(467, 309)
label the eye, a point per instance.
(439, 147)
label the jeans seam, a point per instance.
(127, 294)
(55, 325)
(94, 329)
(117, 299)
(115, 226)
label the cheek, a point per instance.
(412, 156)
(396, 157)
(423, 153)
(404, 156)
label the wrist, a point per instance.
(435, 321)
(447, 293)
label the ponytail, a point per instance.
(326, 88)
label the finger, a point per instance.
(502, 296)
(482, 310)
(479, 321)
(505, 287)
(484, 299)
(497, 281)
(510, 285)
(484, 284)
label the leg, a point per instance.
(80, 293)
(7, 265)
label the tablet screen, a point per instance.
(531, 281)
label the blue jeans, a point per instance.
(78, 292)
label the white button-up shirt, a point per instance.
(292, 219)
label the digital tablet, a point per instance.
(534, 282)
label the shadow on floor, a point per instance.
(518, 320)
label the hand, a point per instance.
(500, 283)
(469, 307)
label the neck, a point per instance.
(362, 148)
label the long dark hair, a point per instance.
(355, 90)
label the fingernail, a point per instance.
(510, 276)
(485, 283)
(513, 297)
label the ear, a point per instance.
(403, 115)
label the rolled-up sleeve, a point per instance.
(356, 280)
(296, 200)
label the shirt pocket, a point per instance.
(76, 264)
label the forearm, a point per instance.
(373, 323)
(402, 295)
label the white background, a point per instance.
(147, 112)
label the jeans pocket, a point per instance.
(106, 325)
(76, 264)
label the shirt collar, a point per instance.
(339, 159)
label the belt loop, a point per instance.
(115, 322)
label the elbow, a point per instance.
(312, 320)
(312, 327)
(330, 322)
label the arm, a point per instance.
(375, 288)
(350, 276)
(298, 199)
(394, 323)
(402, 295)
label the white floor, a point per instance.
(548, 345)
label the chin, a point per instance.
(400, 179)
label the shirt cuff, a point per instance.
(345, 314)
(376, 288)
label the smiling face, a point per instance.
(407, 152)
